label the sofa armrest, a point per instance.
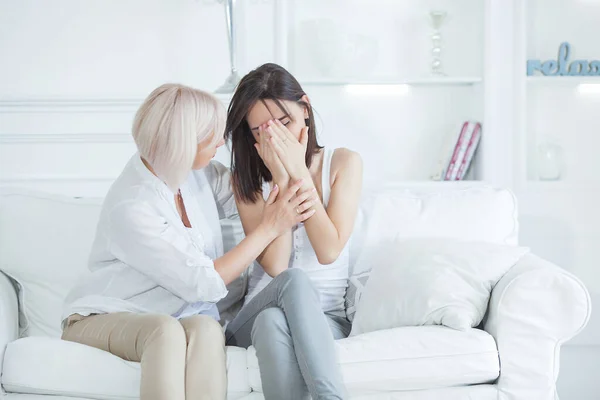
(9, 315)
(533, 309)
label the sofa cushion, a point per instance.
(47, 254)
(477, 392)
(41, 365)
(410, 358)
(233, 234)
(457, 210)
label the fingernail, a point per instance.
(275, 187)
(313, 189)
(301, 181)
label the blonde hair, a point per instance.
(169, 125)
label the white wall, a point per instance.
(77, 71)
(109, 48)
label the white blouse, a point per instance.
(144, 259)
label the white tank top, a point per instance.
(330, 280)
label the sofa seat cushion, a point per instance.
(473, 392)
(409, 358)
(41, 365)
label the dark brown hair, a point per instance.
(267, 82)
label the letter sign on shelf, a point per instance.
(561, 66)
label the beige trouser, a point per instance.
(180, 360)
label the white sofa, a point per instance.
(534, 308)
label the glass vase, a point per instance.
(437, 18)
(549, 161)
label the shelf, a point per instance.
(433, 81)
(563, 79)
(560, 186)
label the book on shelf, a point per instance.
(457, 153)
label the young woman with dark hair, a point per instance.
(295, 304)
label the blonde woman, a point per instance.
(157, 262)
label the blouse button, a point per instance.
(189, 263)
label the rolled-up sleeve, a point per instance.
(219, 178)
(140, 237)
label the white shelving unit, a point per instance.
(560, 218)
(562, 79)
(556, 109)
(381, 66)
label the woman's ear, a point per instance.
(305, 99)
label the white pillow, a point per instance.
(435, 281)
(458, 210)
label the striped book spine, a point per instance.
(457, 150)
(472, 146)
(462, 151)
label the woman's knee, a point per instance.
(269, 321)
(296, 276)
(271, 316)
(166, 329)
(295, 280)
(203, 326)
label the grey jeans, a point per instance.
(294, 339)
